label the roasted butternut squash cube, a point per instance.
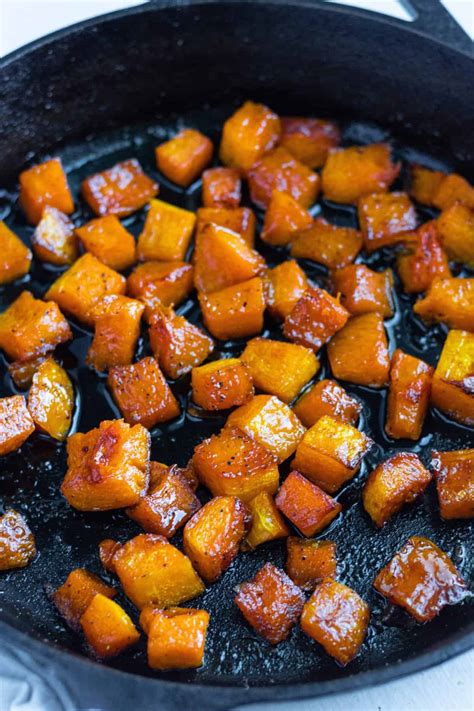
(233, 464)
(249, 133)
(423, 261)
(44, 185)
(51, 400)
(221, 187)
(456, 233)
(234, 312)
(54, 240)
(279, 368)
(74, 596)
(16, 423)
(309, 139)
(83, 285)
(177, 638)
(221, 384)
(108, 240)
(384, 218)
(279, 170)
(107, 549)
(271, 603)
(117, 329)
(183, 158)
(364, 291)
(30, 328)
(160, 284)
(422, 579)
(285, 284)
(107, 627)
(15, 257)
(238, 219)
(142, 394)
(284, 218)
(267, 522)
(359, 352)
(451, 190)
(213, 535)
(424, 184)
(327, 244)
(167, 233)
(408, 396)
(17, 543)
(308, 562)
(454, 473)
(307, 506)
(22, 371)
(337, 618)
(107, 467)
(331, 452)
(271, 423)
(153, 572)
(315, 318)
(451, 387)
(327, 398)
(449, 301)
(120, 190)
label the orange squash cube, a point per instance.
(309, 139)
(107, 549)
(221, 384)
(21, 372)
(285, 284)
(142, 394)
(267, 522)
(451, 190)
(183, 158)
(423, 261)
(308, 562)
(108, 240)
(331, 453)
(54, 240)
(44, 185)
(364, 291)
(233, 464)
(337, 618)
(15, 257)
(166, 234)
(278, 170)
(51, 400)
(271, 603)
(83, 285)
(284, 218)
(408, 396)
(422, 579)
(120, 190)
(221, 187)
(117, 328)
(451, 387)
(279, 368)
(160, 284)
(249, 133)
(16, 423)
(384, 218)
(238, 219)
(177, 638)
(153, 572)
(31, 327)
(107, 627)
(315, 318)
(74, 596)
(449, 301)
(327, 244)
(107, 467)
(271, 423)
(456, 233)
(307, 506)
(359, 352)
(234, 312)
(454, 473)
(17, 543)
(327, 398)
(424, 184)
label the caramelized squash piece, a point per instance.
(408, 396)
(271, 603)
(352, 173)
(120, 190)
(267, 522)
(315, 318)
(51, 400)
(424, 184)
(234, 312)
(44, 185)
(22, 371)
(177, 638)
(16, 423)
(221, 187)
(337, 618)
(449, 301)
(107, 549)
(167, 233)
(364, 291)
(454, 473)
(451, 190)
(107, 627)
(153, 572)
(117, 329)
(107, 467)
(331, 453)
(422, 579)
(307, 506)
(15, 257)
(384, 218)
(308, 562)
(359, 352)
(221, 384)
(452, 390)
(183, 158)
(83, 285)
(279, 368)
(284, 218)
(142, 394)
(160, 284)
(249, 133)
(327, 398)
(238, 219)
(233, 464)
(108, 240)
(309, 139)
(278, 170)
(54, 240)
(456, 233)
(17, 543)
(285, 284)
(271, 423)
(327, 244)
(75, 595)
(423, 261)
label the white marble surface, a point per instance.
(449, 687)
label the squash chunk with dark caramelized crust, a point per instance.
(221, 187)
(279, 170)
(284, 218)
(107, 549)
(160, 284)
(249, 133)
(17, 543)
(117, 328)
(54, 240)
(307, 506)
(327, 244)
(167, 233)
(15, 257)
(364, 291)
(238, 219)
(384, 218)
(107, 627)
(74, 596)
(454, 472)
(327, 398)
(452, 389)
(119, 190)
(221, 384)
(108, 240)
(449, 301)
(236, 311)
(285, 284)
(44, 185)
(423, 261)
(456, 233)
(183, 158)
(267, 522)
(408, 396)
(309, 139)
(315, 318)
(16, 423)
(51, 399)
(177, 638)
(308, 562)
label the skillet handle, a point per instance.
(435, 21)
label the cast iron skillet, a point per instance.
(111, 88)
